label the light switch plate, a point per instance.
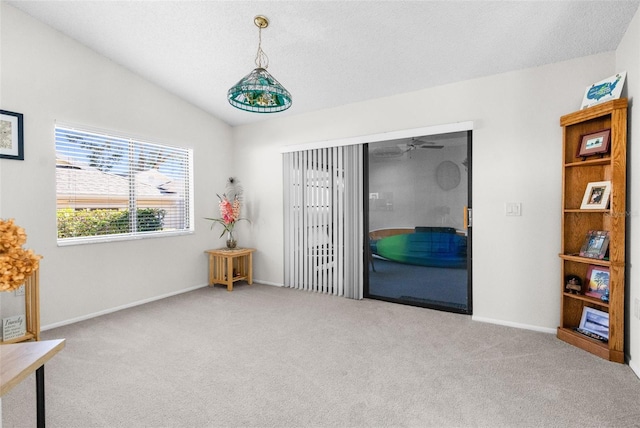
(513, 208)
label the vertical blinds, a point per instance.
(323, 212)
(108, 185)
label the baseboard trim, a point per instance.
(634, 368)
(514, 324)
(276, 284)
(186, 290)
(119, 308)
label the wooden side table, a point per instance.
(227, 266)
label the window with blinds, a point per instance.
(111, 187)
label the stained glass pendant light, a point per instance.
(259, 91)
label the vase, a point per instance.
(231, 241)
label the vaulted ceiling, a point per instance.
(331, 53)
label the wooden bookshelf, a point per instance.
(576, 222)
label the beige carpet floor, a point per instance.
(264, 356)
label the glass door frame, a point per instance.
(469, 221)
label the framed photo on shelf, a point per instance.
(595, 322)
(11, 135)
(593, 144)
(597, 281)
(595, 244)
(596, 196)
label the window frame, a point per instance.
(187, 157)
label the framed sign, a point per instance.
(13, 327)
(11, 135)
(604, 90)
(596, 196)
(596, 143)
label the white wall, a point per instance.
(516, 158)
(48, 77)
(628, 59)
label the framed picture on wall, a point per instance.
(596, 196)
(596, 143)
(11, 135)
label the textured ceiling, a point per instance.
(331, 53)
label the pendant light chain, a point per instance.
(260, 55)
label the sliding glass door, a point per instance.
(419, 239)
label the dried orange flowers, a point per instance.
(16, 263)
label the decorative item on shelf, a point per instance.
(229, 211)
(594, 323)
(16, 263)
(605, 296)
(595, 143)
(14, 327)
(595, 244)
(596, 196)
(259, 91)
(573, 284)
(605, 90)
(597, 281)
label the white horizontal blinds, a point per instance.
(318, 255)
(91, 174)
(116, 186)
(162, 182)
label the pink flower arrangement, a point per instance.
(229, 208)
(229, 211)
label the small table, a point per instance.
(227, 266)
(19, 360)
